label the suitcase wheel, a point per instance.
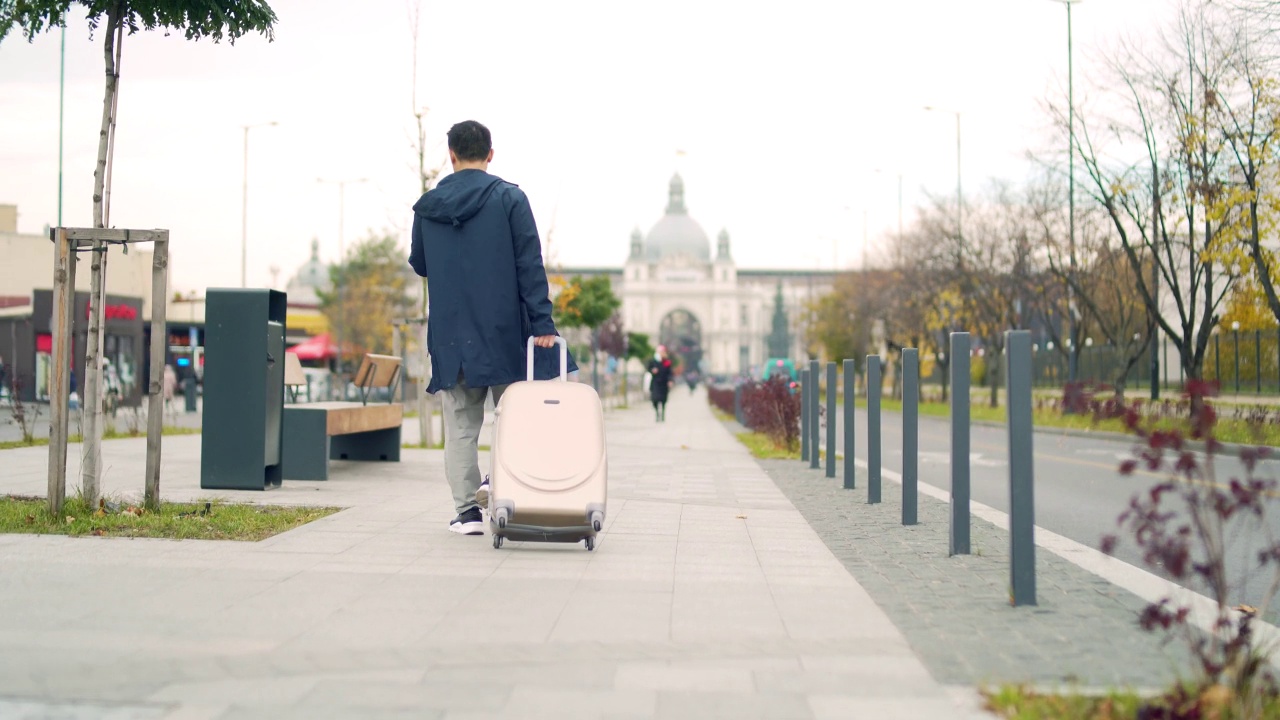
(591, 544)
(497, 542)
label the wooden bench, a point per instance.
(315, 433)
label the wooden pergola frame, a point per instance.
(67, 243)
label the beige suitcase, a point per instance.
(548, 475)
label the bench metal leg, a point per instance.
(376, 445)
(305, 455)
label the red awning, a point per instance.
(44, 343)
(319, 347)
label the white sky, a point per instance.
(785, 112)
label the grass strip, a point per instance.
(1015, 702)
(763, 447)
(108, 434)
(1227, 430)
(211, 520)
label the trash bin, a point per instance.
(189, 392)
(241, 430)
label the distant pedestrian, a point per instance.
(4, 378)
(660, 382)
(170, 381)
(691, 378)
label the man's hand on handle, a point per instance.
(545, 341)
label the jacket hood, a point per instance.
(458, 197)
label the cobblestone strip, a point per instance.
(955, 611)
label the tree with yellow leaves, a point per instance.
(1164, 181)
(369, 288)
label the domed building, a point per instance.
(304, 318)
(713, 315)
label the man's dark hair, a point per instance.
(470, 140)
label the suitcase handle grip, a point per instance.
(564, 358)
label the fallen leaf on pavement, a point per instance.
(742, 517)
(98, 532)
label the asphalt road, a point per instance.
(1079, 491)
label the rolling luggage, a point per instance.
(548, 475)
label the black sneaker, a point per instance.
(468, 523)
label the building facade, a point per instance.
(26, 323)
(715, 316)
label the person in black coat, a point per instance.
(660, 382)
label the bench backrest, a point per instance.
(377, 371)
(293, 374)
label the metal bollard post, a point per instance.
(804, 416)
(910, 435)
(831, 419)
(815, 451)
(873, 429)
(1022, 515)
(958, 538)
(737, 406)
(850, 388)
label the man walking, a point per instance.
(475, 240)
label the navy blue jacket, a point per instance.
(476, 243)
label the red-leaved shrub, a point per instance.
(772, 408)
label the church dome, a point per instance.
(312, 276)
(677, 233)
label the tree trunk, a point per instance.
(108, 104)
(91, 451)
(993, 374)
(1261, 268)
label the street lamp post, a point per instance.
(342, 195)
(1072, 362)
(244, 204)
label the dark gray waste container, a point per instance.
(189, 392)
(241, 431)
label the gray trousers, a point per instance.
(462, 414)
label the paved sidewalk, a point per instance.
(708, 596)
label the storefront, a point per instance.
(123, 347)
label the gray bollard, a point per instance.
(737, 406)
(850, 387)
(1022, 514)
(910, 435)
(831, 419)
(958, 538)
(804, 416)
(815, 450)
(873, 429)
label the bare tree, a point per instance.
(1102, 286)
(985, 280)
(1162, 183)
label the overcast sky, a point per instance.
(784, 112)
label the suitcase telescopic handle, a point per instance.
(564, 358)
